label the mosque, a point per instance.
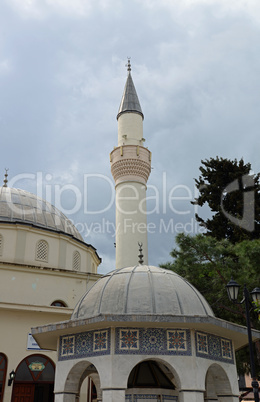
(138, 334)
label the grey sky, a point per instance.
(195, 65)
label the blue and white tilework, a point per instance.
(150, 397)
(68, 345)
(129, 339)
(214, 347)
(152, 341)
(92, 343)
(177, 340)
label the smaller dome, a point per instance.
(142, 290)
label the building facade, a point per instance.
(45, 267)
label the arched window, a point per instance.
(1, 244)
(3, 367)
(76, 261)
(42, 251)
(58, 303)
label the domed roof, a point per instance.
(142, 290)
(19, 206)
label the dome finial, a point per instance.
(128, 65)
(141, 253)
(5, 179)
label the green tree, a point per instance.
(209, 264)
(233, 195)
(231, 244)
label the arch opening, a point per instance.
(3, 369)
(84, 382)
(152, 378)
(217, 385)
(34, 379)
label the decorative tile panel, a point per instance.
(129, 339)
(67, 346)
(214, 347)
(100, 340)
(150, 397)
(226, 349)
(91, 343)
(176, 340)
(202, 343)
(152, 341)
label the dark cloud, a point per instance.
(195, 66)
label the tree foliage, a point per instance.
(209, 264)
(233, 195)
(230, 247)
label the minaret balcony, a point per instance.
(130, 163)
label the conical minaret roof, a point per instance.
(130, 102)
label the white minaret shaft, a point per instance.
(130, 166)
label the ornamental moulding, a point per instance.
(130, 162)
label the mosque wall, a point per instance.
(39, 287)
(38, 267)
(35, 247)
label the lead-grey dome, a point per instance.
(142, 290)
(19, 206)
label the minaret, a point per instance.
(130, 167)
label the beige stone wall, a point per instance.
(20, 243)
(130, 129)
(41, 287)
(29, 285)
(15, 325)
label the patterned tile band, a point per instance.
(153, 341)
(214, 347)
(150, 397)
(91, 343)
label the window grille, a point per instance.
(1, 244)
(76, 261)
(42, 251)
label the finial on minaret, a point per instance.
(141, 253)
(128, 65)
(5, 179)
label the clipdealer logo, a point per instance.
(162, 201)
(247, 221)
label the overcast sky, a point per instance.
(196, 69)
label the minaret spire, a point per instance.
(6, 178)
(130, 167)
(130, 102)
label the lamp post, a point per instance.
(232, 290)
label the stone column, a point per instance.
(227, 398)
(66, 397)
(211, 399)
(191, 395)
(113, 395)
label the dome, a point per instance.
(19, 206)
(142, 290)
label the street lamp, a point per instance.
(232, 290)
